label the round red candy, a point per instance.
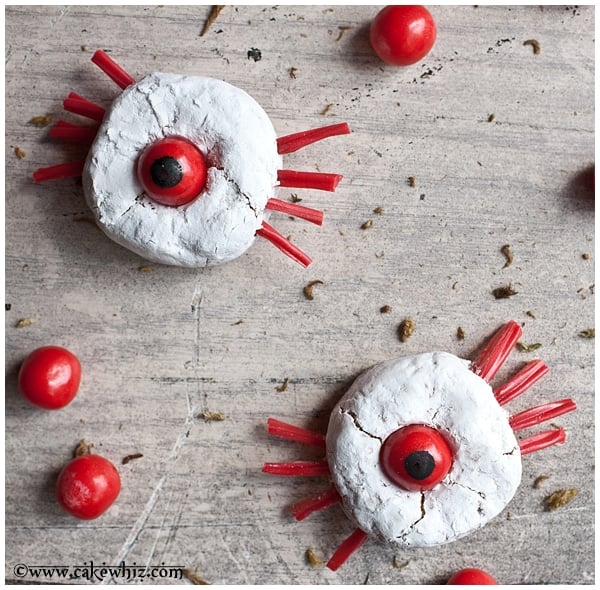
(87, 486)
(402, 35)
(471, 577)
(172, 171)
(49, 377)
(416, 457)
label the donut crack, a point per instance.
(354, 417)
(411, 526)
(148, 95)
(239, 190)
(423, 512)
(466, 487)
(127, 210)
(174, 119)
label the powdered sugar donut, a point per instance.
(419, 449)
(238, 142)
(437, 390)
(183, 169)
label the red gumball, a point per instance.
(416, 457)
(471, 577)
(49, 377)
(172, 171)
(87, 486)
(402, 35)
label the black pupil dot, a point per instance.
(166, 172)
(419, 464)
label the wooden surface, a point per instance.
(161, 347)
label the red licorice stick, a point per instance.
(319, 501)
(313, 215)
(541, 414)
(322, 181)
(63, 123)
(295, 433)
(270, 233)
(81, 106)
(346, 549)
(113, 70)
(531, 373)
(300, 468)
(66, 170)
(496, 351)
(295, 141)
(74, 133)
(540, 441)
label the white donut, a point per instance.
(438, 390)
(239, 144)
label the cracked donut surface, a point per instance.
(239, 144)
(437, 390)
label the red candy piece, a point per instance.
(402, 35)
(416, 457)
(87, 486)
(49, 377)
(346, 549)
(112, 69)
(172, 171)
(471, 577)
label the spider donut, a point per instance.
(182, 170)
(419, 449)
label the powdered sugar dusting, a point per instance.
(439, 390)
(239, 143)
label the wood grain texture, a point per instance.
(160, 347)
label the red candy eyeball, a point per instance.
(416, 457)
(172, 171)
(402, 35)
(471, 577)
(87, 486)
(49, 377)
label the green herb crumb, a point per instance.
(560, 498)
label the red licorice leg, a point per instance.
(300, 468)
(317, 180)
(295, 141)
(531, 373)
(74, 133)
(81, 106)
(496, 351)
(319, 501)
(540, 441)
(295, 433)
(541, 414)
(346, 549)
(66, 170)
(270, 233)
(113, 70)
(313, 215)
